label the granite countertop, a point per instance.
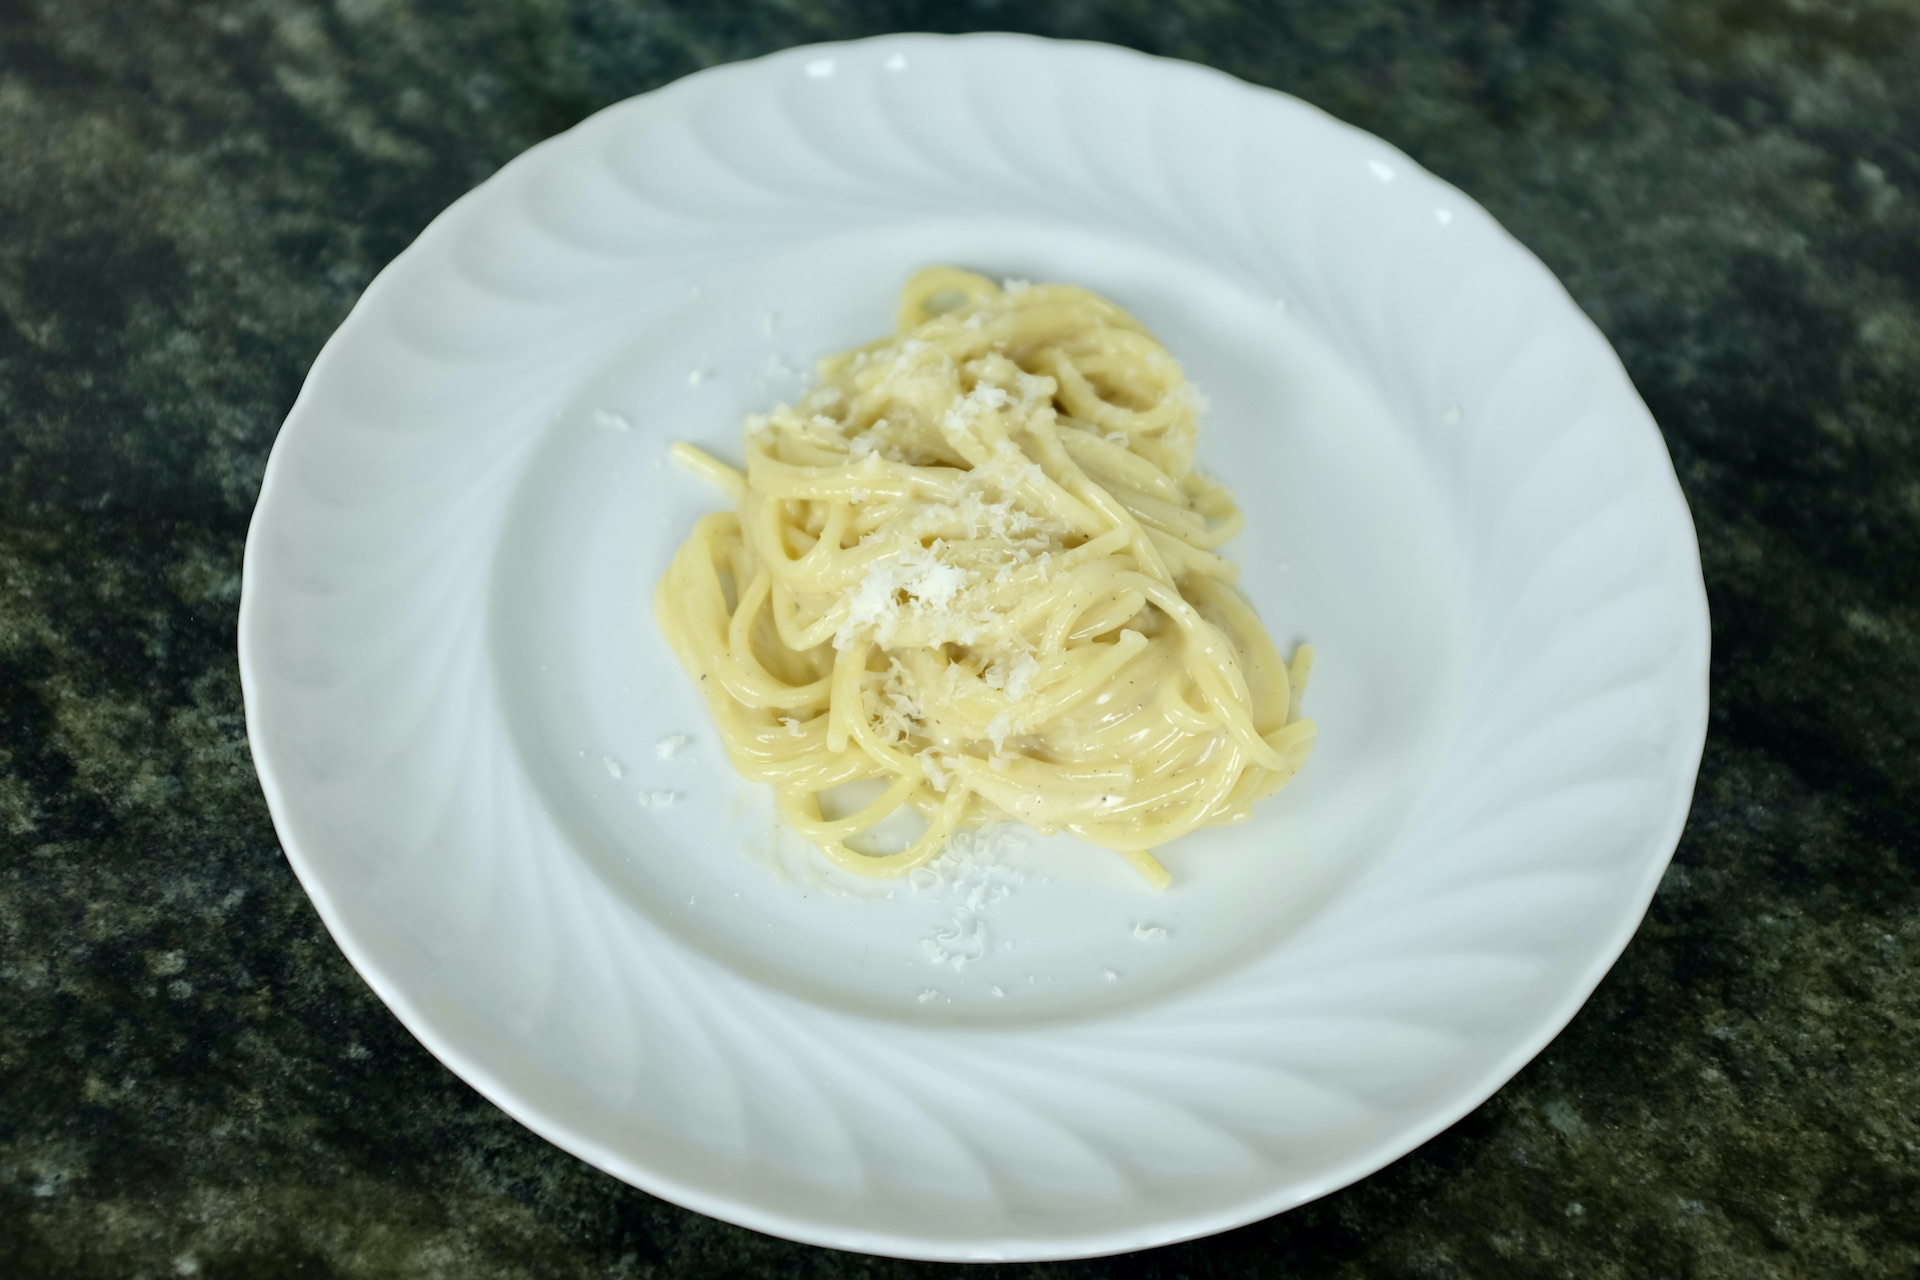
(193, 1081)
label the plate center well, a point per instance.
(1345, 547)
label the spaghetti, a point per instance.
(977, 565)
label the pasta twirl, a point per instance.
(977, 564)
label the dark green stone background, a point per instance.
(192, 1079)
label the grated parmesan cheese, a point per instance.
(973, 874)
(1020, 676)
(915, 580)
(997, 729)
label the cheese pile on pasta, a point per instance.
(976, 563)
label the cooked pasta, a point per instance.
(977, 565)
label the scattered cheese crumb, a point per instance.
(1110, 975)
(959, 942)
(1149, 932)
(669, 746)
(997, 729)
(1020, 676)
(609, 420)
(658, 799)
(613, 767)
(928, 995)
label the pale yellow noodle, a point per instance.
(976, 564)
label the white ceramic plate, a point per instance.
(456, 694)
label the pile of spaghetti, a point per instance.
(976, 563)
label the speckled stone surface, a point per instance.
(194, 1082)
